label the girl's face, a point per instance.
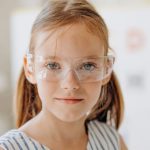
(67, 98)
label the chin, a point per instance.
(70, 118)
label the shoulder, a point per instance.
(18, 140)
(9, 139)
(13, 140)
(104, 134)
(103, 128)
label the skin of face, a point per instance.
(68, 43)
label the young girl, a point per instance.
(68, 96)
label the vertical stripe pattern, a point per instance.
(100, 135)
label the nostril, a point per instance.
(70, 85)
(70, 88)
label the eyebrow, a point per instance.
(85, 57)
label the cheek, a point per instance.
(46, 91)
(93, 92)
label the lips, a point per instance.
(69, 100)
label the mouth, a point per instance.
(69, 100)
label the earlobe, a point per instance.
(29, 70)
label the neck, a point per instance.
(60, 130)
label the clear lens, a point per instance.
(85, 69)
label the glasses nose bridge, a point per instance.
(71, 72)
(71, 66)
(70, 80)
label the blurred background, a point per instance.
(129, 28)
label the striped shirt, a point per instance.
(100, 137)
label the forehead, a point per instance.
(69, 41)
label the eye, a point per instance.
(88, 66)
(53, 66)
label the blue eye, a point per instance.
(88, 66)
(53, 66)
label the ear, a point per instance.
(106, 80)
(28, 68)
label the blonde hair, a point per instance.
(55, 14)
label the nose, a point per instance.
(70, 81)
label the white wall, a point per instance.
(129, 37)
(21, 23)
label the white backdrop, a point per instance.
(21, 23)
(129, 36)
